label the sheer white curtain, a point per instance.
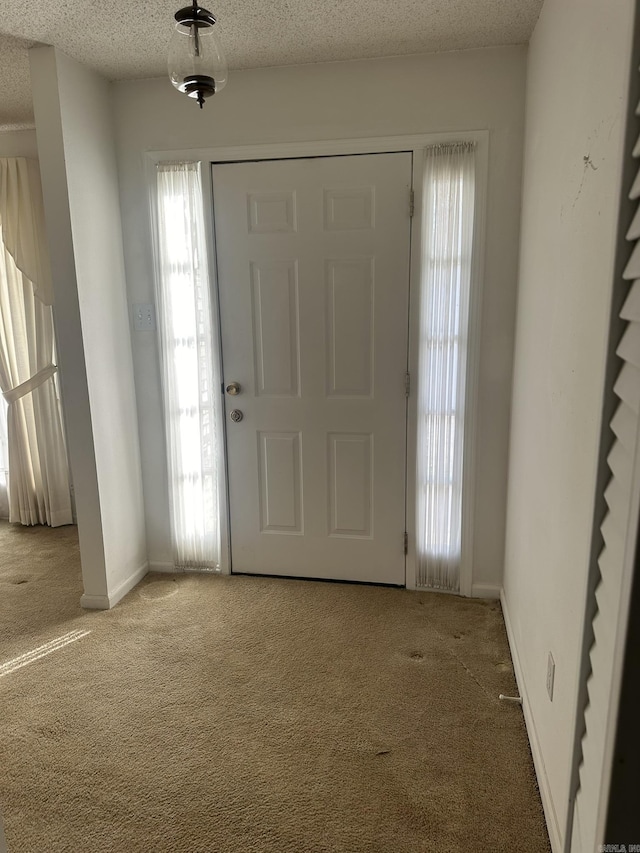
(190, 371)
(448, 216)
(38, 486)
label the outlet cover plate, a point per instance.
(144, 319)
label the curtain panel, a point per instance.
(22, 217)
(38, 481)
(189, 352)
(448, 217)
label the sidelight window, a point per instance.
(448, 214)
(189, 369)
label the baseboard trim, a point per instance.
(551, 818)
(169, 568)
(166, 568)
(106, 602)
(94, 602)
(485, 590)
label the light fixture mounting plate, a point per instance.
(195, 15)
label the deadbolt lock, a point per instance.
(236, 415)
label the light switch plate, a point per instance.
(144, 318)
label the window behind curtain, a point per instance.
(190, 373)
(448, 215)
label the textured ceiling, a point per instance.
(124, 40)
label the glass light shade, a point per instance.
(196, 63)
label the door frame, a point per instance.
(414, 144)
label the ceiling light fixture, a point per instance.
(196, 63)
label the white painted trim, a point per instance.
(413, 356)
(170, 569)
(318, 148)
(224, 518)
(94, 602)
(438, 591)
(551, 817)
(474, 341)
(485, 590)
(106, 602)
(127, 585)
(166, 568)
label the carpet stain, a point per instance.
(55, 730)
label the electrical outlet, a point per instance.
(551, 674)
(144, 318)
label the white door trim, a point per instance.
(225, 519)
(415, 143)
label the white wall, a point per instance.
(465, 90)
(579, 61)
(18, 143)
(78, 166)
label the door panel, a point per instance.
(350, 332)
(313, 275)
(276, 328)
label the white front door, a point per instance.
(313, 275)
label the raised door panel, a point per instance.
(349, 208)
(350, 326)
(276, 327)
(271, 212)
(280, 476)
(350, 466)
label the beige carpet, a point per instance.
(242, 715)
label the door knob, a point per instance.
(236, 415)
(233, 389)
